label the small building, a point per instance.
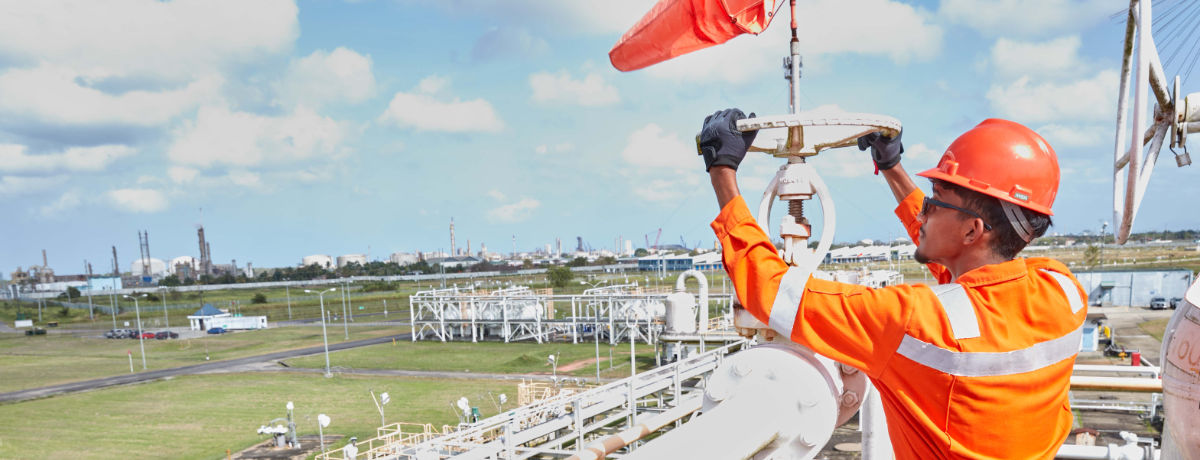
(202, 319)
(708, 261)
(208, 317)
(1134, 288)
(666, 261)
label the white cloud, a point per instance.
(66, 202)
(590, 91)
(182, 175)
(881, 27)
(1071, 135)
(496, 194)
(324, 77)
(221, 136)
(515, 212)
(651, 147)
(422, 111)
(508, 42)
(850, 162)
(1029, 17)
(606, 18)
(1053, 58)
(58, 95)
(1027, 101)
(245, 179)
(20, 185)
(433, 84)
(14, 158)
(139, 200)
(173, 40)
(556, 148)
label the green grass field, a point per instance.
(485, 357)
(31, 362)
(199, 417)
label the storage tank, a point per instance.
(320, 260)
(348, 259)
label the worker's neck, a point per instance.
(971, 260)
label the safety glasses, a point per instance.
(942, 204)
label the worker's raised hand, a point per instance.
(720, 143)
(884, 150)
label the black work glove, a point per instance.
(884, 150)
(720, 143)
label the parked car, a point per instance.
(132, 334)
(35, 331)
(163, 335)
(173, 335)
(216, 330)
(1175, 301)
(1158, 303)
(113, 334)
(147, 335)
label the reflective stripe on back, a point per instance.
(984, 364)
(1068, 288)
(787, 300)
(964, 324)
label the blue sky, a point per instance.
(328, 127)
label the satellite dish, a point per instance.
(464, 405)
(290, 406)
(323, 420)
(503, 398)
(384, 398)
(550, 359)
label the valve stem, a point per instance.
(796, 209)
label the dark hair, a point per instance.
(1005, 242)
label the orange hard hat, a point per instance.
(1003, 159)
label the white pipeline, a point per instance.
(681, 286)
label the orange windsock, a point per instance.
(676, 27)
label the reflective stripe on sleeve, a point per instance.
(982, 364)
(1068, 288)
(787, 300)
(964, 324)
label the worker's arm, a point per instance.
(724, 183)
(849, 323)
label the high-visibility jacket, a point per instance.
(977, 368)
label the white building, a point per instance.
(157, 267)
(208, 317)
(320, 260)
(403, 258)
(348, 259)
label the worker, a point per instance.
(976, 366)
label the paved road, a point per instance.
(147, 376)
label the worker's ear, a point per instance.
(973, 232)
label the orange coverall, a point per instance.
(978, 368)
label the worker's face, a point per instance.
(940, 237)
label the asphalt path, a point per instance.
(147, 376)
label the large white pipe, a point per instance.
(681, 286)
(600, 448)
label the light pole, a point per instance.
(166, 318)
(379, 403)
(322, 422)
(288, 292)
(138, 312)
(344, 324)
(553, 361)
(112, 307)
(324, 336)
